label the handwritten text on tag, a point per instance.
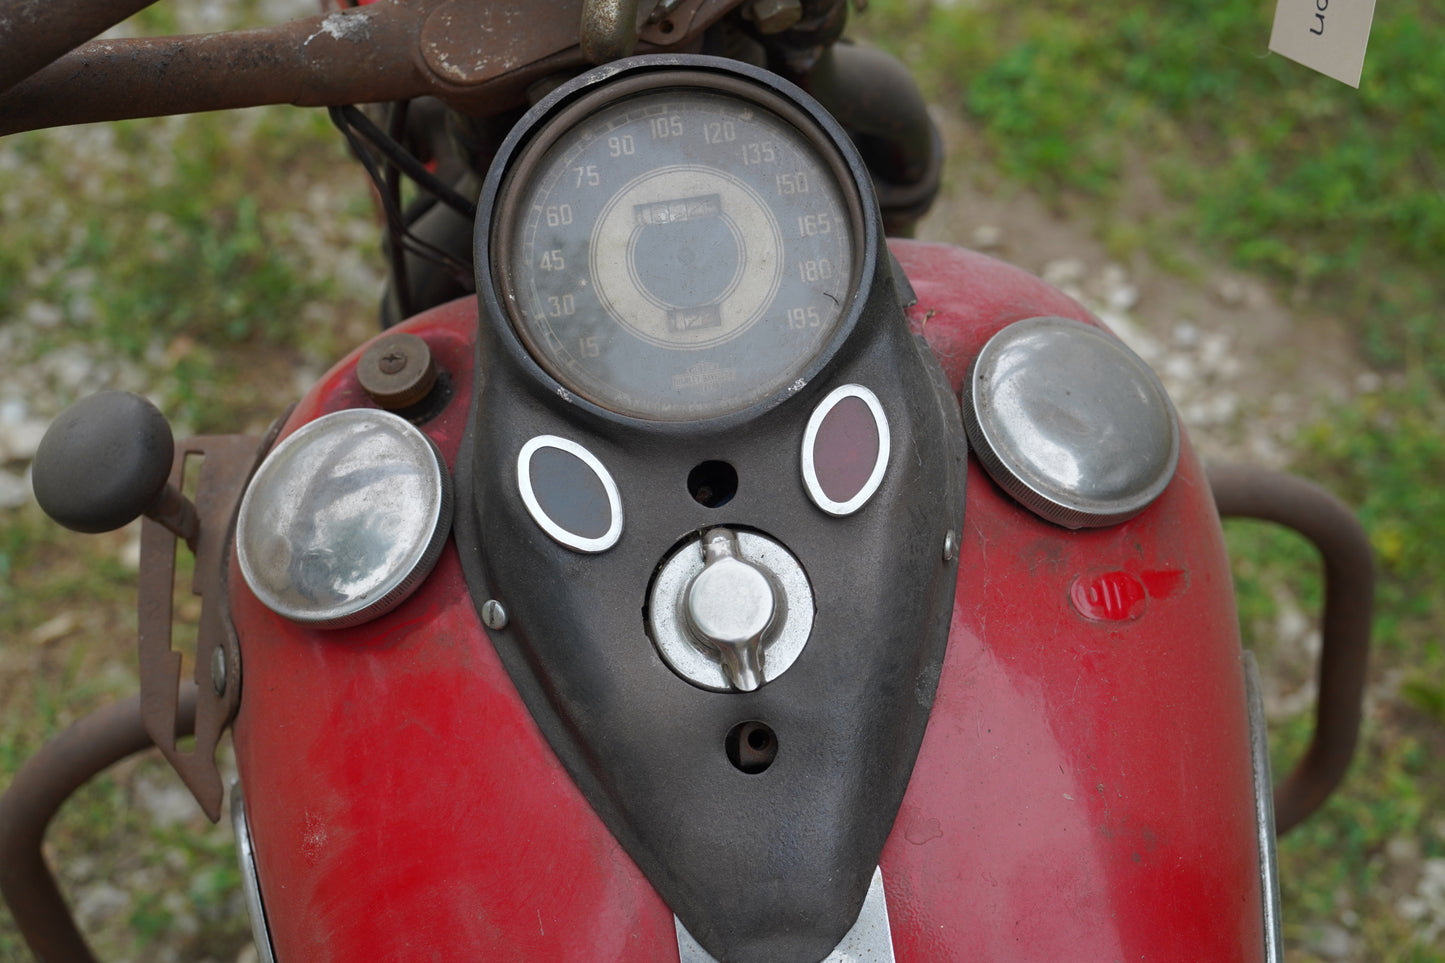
(1324, 35)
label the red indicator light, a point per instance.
(846, 449)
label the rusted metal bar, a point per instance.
(62, 766)
(354, 56)
(34, 33)
(227, 463)
(1245, 492)
(177, 514)
(478, 56)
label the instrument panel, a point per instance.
(677, 247)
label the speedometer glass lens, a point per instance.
(677, 252)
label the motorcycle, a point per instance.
(688, 570)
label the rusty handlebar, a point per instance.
(47, 779)
(472, 54)
(1245, 492)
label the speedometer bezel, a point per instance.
(529, 146)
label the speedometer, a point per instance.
(678, 245)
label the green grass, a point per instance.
(103, 834)
(182, 244)
(1338, 193)
(1386, 455)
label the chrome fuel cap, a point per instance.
(730, 610)
(729, 605)
(344, 518)
(1070, 422)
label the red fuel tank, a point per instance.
(1084, 789)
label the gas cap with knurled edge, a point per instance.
(1070, 422)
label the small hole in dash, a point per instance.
(712, 484)
(751, 747)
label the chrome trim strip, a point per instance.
(250, 884)
(539, 515)
(810, 438)
(869, 941)
(1264, 812)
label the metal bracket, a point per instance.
(229, 461)
(609, 29)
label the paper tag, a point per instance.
(1324, 35)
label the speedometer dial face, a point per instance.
(677, 252)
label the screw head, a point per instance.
(950, 547)
(392, 362)
(218, 670)
(494, 616)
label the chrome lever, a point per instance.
(609, 29)
(728, 607)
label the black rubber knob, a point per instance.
(104, 462)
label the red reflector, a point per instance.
(845, 450)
